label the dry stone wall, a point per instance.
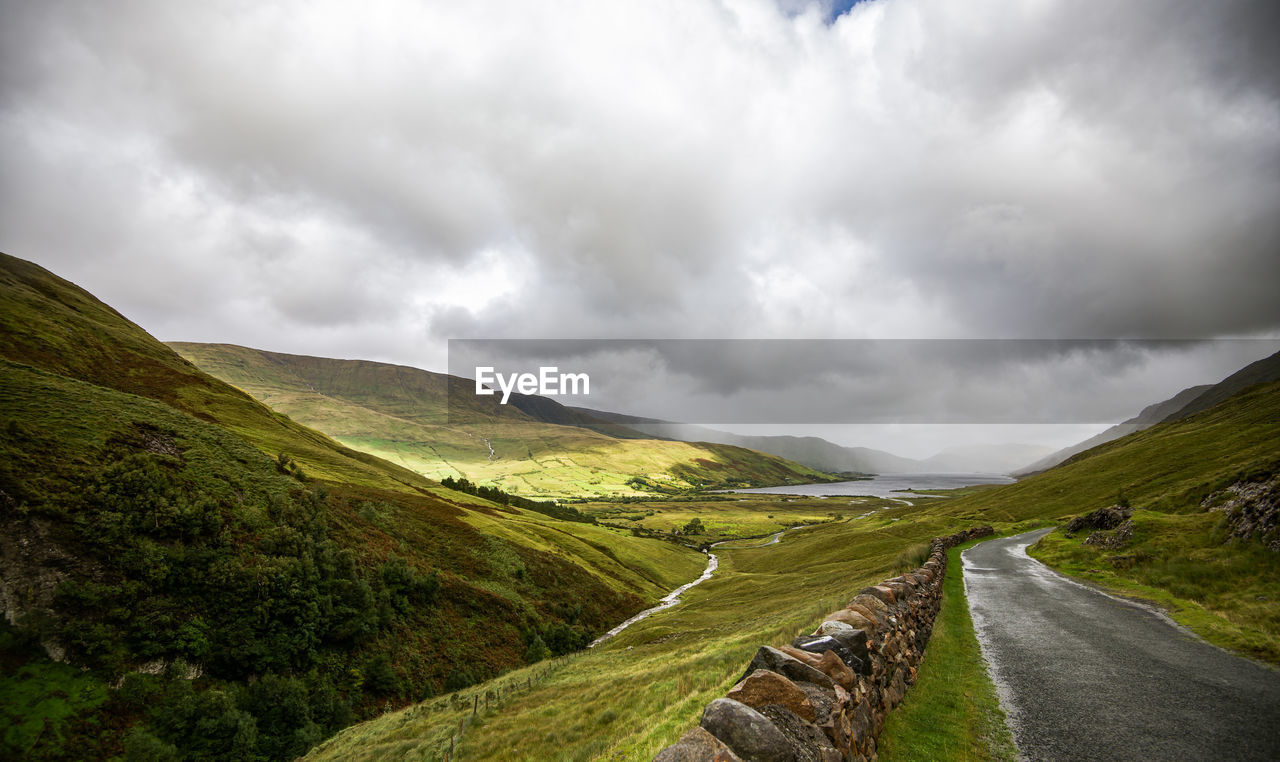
(825, 697)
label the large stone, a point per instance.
(786, 665)
(824, 701)
(883, 592)
(853, 638)
(821, 643)
(827, 663)
(697, 746)
(750, 734)
(1103, 518)
(873, 604)
(807, 741)
(866, 611)
(852, 618)
(831, 627)
(763, 687)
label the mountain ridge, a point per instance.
(534, 447)
(1184, 404)
(828, 456)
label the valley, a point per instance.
(694, 652)
(677, 381)
(223, 552)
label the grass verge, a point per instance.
(952, 712)
(1223, 590)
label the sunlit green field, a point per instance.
(435, 426)
(541, 461)
(722, 517)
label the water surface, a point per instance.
(885, 485)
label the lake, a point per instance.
(884, 485)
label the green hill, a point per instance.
(435, 425)
(235, 584)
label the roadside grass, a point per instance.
(952, 712)
(1228, 592)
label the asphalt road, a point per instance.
(1086, 676)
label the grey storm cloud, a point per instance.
(369, 180)
(870, 381)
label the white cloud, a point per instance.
(368, 180)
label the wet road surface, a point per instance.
(1086, 676)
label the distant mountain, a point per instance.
(984, 458)
(1150, 416)
(811, 451)
(1184, 404)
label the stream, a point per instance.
(774, 539)
(670, 600)
(673, 598)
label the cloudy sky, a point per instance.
(372, 179)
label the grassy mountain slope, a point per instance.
(230, 602)
(1263, 371)
(1184, 404)
(50, 323)
(1150, 416)
(1170, 467)
(435, 424)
